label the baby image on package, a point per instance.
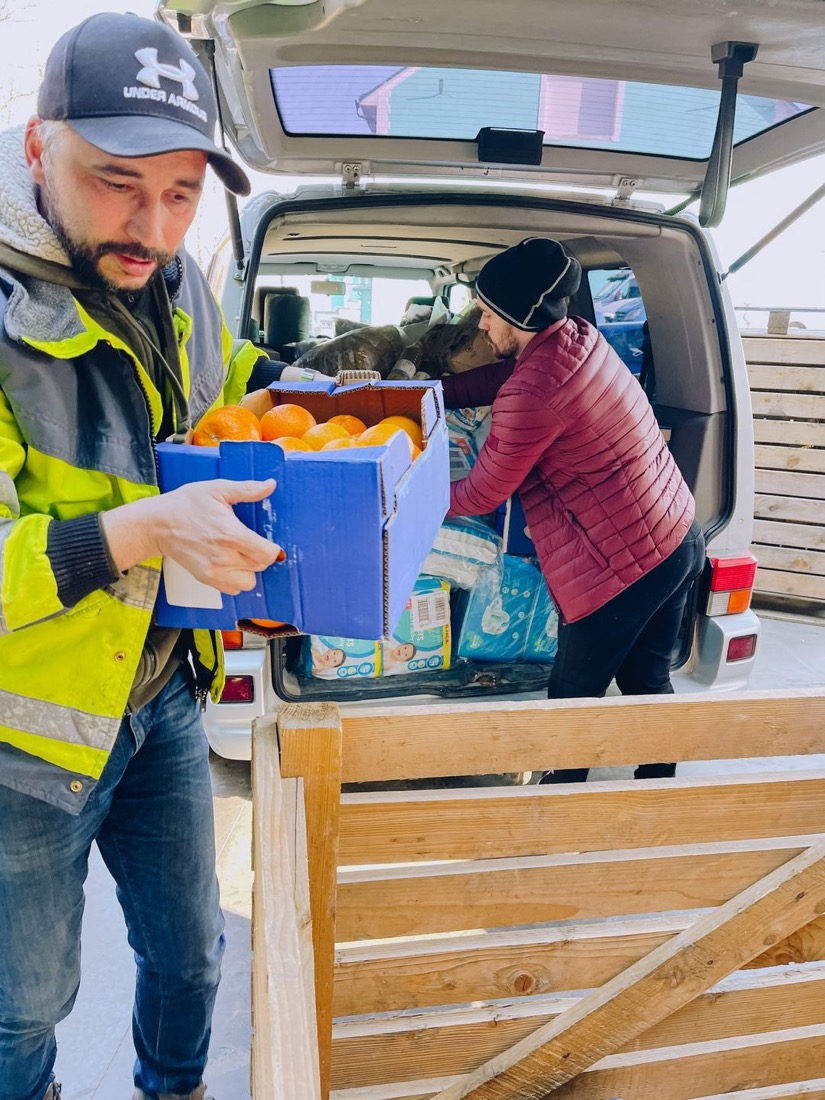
(421, 641)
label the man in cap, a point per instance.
(109, 341)
(610, 515)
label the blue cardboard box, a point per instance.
(356, 524)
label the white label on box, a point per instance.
(429, 611)
(184, 590)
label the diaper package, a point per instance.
(465, 550)
(519, 622)
(341, 658)
(421, 641)
(467, 430)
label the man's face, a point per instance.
(506, 339)
(119, 218)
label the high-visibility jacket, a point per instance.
(78, 418)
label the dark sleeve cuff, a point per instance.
(266, 372)
(79, 557)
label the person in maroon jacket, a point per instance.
(607, 508)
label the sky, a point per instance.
(789, 273)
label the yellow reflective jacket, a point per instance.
(78, 416)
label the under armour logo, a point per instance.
(153, 70)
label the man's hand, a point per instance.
(196, 527)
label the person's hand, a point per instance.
(196, 527)
(259, 402)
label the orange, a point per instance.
(286, 420)
(290, 443)
(351, 424)
(377, 435)
(270, 624)
(408, 425)
(339, 444)
(321, 434)
(228, 422)
(382, 433)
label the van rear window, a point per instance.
(454, 104)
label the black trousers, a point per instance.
(631, 639)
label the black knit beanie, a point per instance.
(528, 285)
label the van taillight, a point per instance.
(238, 689)
(731, 585)
(740, 649)
(232, 639)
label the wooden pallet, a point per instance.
(787, 377)
(655, 940)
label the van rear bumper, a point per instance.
(713, 636)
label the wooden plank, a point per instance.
(422, 1089)
(414, 742)
(428, 1088)
(791, 561)
(773, 376)
(790, 584)
(372, 1051)
(648, 992)
(284, 1051)
(790, 508)
(790, 350)
(807, 537)
(460, 968)
(794, 433)
(495, 822)
(426, 899)
(812, 1090)
(464, 968)
(791, 483)
(789, 406)
(697, 1070)
(295, 815)
(310, 744)
(809, 459)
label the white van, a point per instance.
(449, 131)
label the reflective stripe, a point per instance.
(8, 494)
(37, 717)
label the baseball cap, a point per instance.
(134, 88)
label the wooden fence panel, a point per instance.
(787, 377)
(581, 940)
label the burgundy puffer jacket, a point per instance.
(573, 432)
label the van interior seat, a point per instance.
(287, 318)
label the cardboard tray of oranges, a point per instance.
(362, 474)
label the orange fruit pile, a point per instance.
(293, 428)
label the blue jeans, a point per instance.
(151, 816)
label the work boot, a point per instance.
(53, 1091)
(198, 1093)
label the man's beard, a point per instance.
(85, 257)
(505, 347)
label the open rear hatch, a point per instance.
(587, 94)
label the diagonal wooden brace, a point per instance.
(653, 988)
